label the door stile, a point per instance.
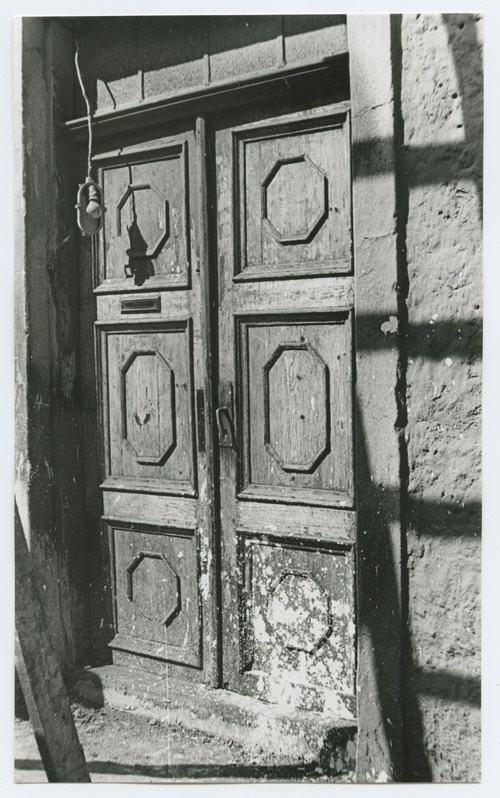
(228, 436)
(208, 277)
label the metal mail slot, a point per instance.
(141, 304)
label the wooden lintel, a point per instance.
(306, 78)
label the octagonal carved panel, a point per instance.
(148, 407)
(154, 587)
(296, 406)
(294, 200)
(148, 212)
(299, 611)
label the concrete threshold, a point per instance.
(286, 736)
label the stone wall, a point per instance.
(441, 93)
(143, 58)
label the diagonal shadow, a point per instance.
(458, 338)
(464, 45)
(380, 613)
(440, 163)
(383, 598)
(450, 686)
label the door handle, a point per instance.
(224, 416)
(225, 428)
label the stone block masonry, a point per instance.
(442, 158)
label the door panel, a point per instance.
(296, 623)
(292, 199)
(286, 453)
(147, 223)
(296, 409)
(148, 403)
(157, 601)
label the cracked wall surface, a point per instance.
(442, 114)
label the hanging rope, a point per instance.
(89, 204)
(89, 114)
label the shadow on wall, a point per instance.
(381, 609)
(442, 163)
(468, 62)
(385, 614)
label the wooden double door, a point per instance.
(223, 280)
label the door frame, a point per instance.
(380, 526)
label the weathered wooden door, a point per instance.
(285, 407)
(152, 369)
(281, 261)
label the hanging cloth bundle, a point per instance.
(90, 210)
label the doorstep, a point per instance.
(287, 736)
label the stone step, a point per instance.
(288, 737)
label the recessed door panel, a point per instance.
(293, 200)
(156, 589)
(145, 240)
(296, 407)
(298, 636)
(149, 403)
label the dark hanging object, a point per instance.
(90, 210)
(89, 204)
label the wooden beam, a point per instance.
(307, 79)
(40, 676)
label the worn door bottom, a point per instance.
(290, 737)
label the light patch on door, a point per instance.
(299, 611)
